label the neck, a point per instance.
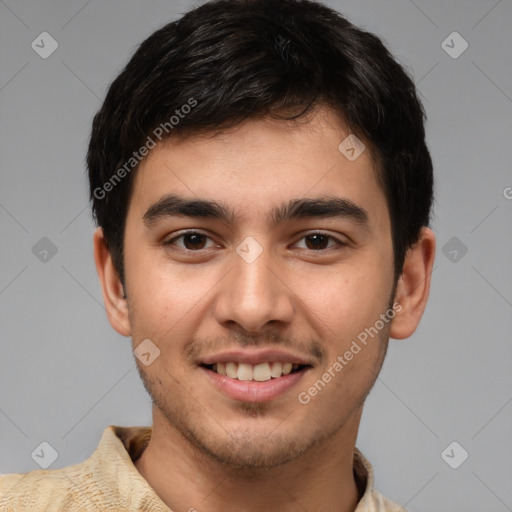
(185, 479)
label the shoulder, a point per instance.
(37, 489)
(64, 488)
(105, 481)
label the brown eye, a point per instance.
(192, 241)
(317, 241)
(320, 241)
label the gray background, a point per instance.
(65, 374)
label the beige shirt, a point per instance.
(109, 481)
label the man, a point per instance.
(262, 187)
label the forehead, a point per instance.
(257, 165)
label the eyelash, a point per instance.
(313, 233)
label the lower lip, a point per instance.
(254, 391)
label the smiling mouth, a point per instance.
(255, 372)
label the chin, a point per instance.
(245, 445)
(251, 454)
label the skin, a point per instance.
(208, 451)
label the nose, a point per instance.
(253, 294)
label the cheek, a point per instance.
(166, 298)
(346, 299)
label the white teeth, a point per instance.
(261, 372)
(276, 370)
(232, 370)
(244, 371)
(258, 372)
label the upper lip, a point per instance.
(256, 357)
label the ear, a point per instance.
(413, 286)
(113, 293)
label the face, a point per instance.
(271, 276)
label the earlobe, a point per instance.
(413, 287)
(114, 296)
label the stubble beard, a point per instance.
(246, 450)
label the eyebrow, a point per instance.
(172, 205)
